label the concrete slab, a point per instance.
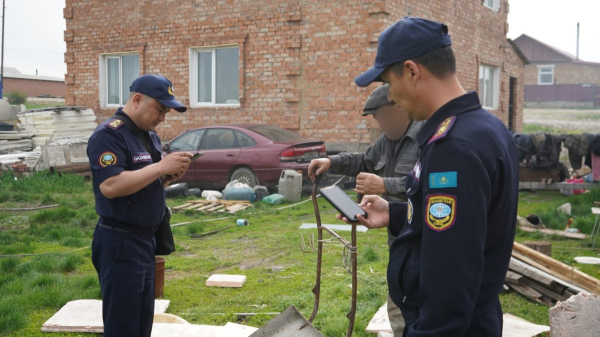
(187, 330)
(85, 316)
(513, 326)
(226, 281)
(234, 329)
(577, 316)
(359, 228)
(380, 322)
(518, 327)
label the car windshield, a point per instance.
(275, 134)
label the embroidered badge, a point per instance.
(417, 171)
(142, 157)
(115, 124)
(170, 90)
(443, 129)
(441, 211)
(443, 180)
(107, 159)
(409, 211)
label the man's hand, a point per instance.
(175, 164)
(367, 183)
(318, 166)
(378, 211)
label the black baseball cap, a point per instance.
(406, 39)
(377, 99)
(159, 88)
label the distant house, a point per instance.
(286, 63)
(33, 85)
(557, 79)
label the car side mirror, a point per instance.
(166, 148)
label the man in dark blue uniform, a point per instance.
(455, 233)
(129, 176)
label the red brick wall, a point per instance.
(566, 73)
(33, 88)
(298, 59)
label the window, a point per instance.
(217, 139)
(489, 86)
(275, 134)
(188, 141)
(117, 74)
(215, 74)
(243, 140)
(493, 4)
(546, 75)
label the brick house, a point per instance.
(557, 79)
(287, 63)
(32, 85)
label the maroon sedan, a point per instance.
(253, 154)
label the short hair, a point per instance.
(133, 93)
(441, 63)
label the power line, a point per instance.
(45, 23)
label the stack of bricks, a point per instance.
(19, 168)
(297, 63)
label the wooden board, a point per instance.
(559, 267)
(220, 206)
(517, 327)
(579, 236)
(549, 273)
(226, 281)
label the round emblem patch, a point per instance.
(107, 159)
(409, 212)
(439, 210)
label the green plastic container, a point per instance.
(273, 199)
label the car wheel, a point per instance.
(245, 176)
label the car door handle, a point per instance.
(230, 155)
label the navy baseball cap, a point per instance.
(405, 40)
(159, 88)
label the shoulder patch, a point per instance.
(107, 158)
(114, 124)
(443, 129)
(441, 212)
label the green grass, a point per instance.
(268, 252)
(44, 105)
(589, 117)
(534, 128)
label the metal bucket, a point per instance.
(290, 323)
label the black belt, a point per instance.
(126, 228)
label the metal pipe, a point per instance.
(2, 61)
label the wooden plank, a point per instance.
(559, 267)
(194, 206)
(512, 277)
(182, 206)
(203, 208)
(540, 288)
(528, 292)
(579, 236)
(543, 247)
(214, 208)
(538, 269)
(529, 271)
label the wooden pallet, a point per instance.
(219, 206)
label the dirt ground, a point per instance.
(574, 120)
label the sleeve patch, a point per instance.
(115, 124)
(441, 212)
(443, 129)
(443, 180)
(107, 159)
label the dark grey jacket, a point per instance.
(391, 160)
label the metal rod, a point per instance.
(352, 314)
(317, 289)
(2, 62)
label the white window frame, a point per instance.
(495, 4)
(103, 76)
(194, 76)
(551, 66)
(496, 94)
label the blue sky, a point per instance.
(34, 30)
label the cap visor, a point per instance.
(173, 104)
(369, 76)
(368, 112)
